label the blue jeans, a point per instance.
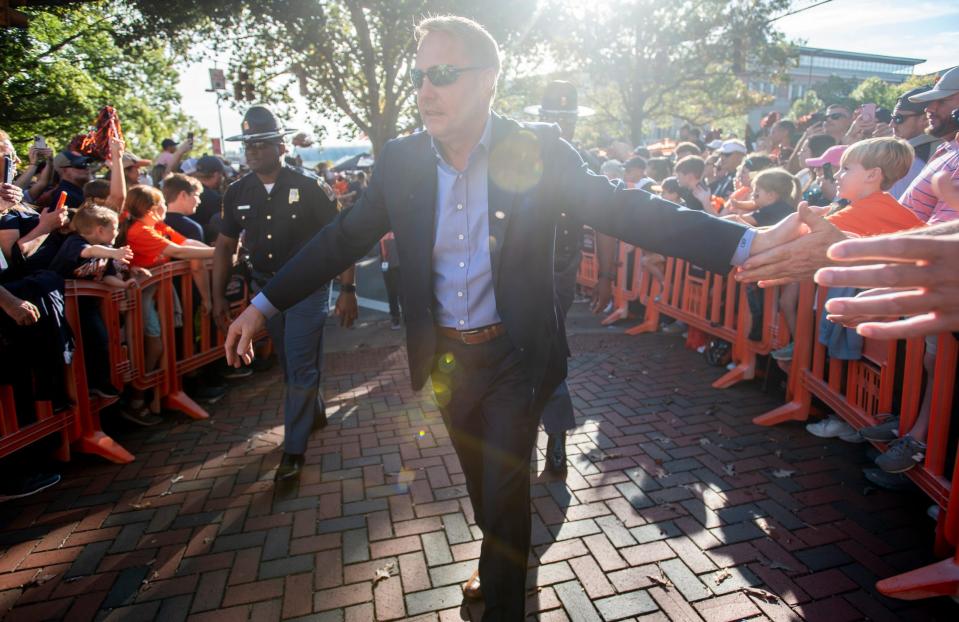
(297, 335)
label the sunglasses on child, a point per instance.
(439, 75)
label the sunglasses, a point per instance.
(899, 119)
(836, 116)
(439, 75)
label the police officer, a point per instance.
(559, 105)
(279, 210)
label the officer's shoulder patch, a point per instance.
(326, 188)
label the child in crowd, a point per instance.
(741, 199)
(866, 171)
(689, 173)
(89, 254)
(153, 243)
(671, 190)
(776, 195)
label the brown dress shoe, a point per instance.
(472, 589)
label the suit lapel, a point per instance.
(501, 194)
(420, 214)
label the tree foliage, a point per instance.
(688, 61)
(56, 74)
(349, 59)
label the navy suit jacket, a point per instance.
(536, 181)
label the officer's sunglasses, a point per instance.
(439, 75)
(899, 119)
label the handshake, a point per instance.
(911, 281)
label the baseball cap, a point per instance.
(714, 144)
(831, 156)
(905, 104)
(68, 159)
(732, 146)
(946, 86)
(209, 164)
(168, 142)
(131, 160)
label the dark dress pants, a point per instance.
(485, 397)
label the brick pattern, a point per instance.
(670, 511)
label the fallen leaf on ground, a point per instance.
(762, 595)
(781, 473)
(722, 576)
(774, 565)
(178, 478)
(384, 573)
(729, 469)
(660, 581)
(38, 579)
(705, 441)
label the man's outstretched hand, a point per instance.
(346, 308)
(920, 269)
(792, 250)
(239, 337)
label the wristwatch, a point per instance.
(349, 289)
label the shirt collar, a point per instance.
(484, 143)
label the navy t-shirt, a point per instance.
(185, 226)
(25, 221)
(772, 214)
(74, 194)
(70, 265)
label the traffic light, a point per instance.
(240, 85)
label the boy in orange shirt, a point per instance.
(868, 168)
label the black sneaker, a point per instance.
(208, 394)
(140, 416)
(17, 487)
(106, 391)
(885, 432)
(232, 373)
(395, 323)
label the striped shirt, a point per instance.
(919, 196)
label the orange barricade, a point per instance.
(717, 306)
(589, 264)
(86, 434)
(80, 425)
(13, 437)
(626, 287)
(858, 390)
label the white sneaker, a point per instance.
(830, 427)
(933, 512)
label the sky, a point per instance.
(927, 29)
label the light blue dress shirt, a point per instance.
(462, 265)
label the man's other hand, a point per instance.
(221, 312)
(792, 250)
(602, 294)
(23, 312)
(346, 308)
(239, 337)
(922, 271)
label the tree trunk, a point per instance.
(636, 117)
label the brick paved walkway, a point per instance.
(677, 508)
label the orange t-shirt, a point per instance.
(147, 238)
(876, 214)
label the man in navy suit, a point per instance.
(473, 203)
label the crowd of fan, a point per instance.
(872, 170)
(70, 215)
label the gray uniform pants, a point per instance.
(558, 411)
(297, 335)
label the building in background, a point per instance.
(815, 65)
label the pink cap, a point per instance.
(832, 155)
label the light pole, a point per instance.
(217, 86)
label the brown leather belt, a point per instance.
(475, 336)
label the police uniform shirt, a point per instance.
(280, 222)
